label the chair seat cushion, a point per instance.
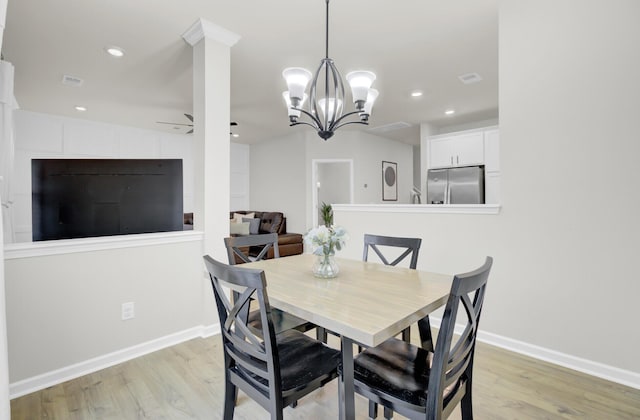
(282, 321)
(302, 360)
(398, 369)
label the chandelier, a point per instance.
(326, 96)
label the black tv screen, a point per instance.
(79, 198)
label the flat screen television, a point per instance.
(79, 198)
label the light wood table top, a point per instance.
(368, 302)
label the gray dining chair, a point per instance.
(408, 247)
(275, 370)
(418, 383)
(239, 251)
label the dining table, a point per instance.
(366, 304)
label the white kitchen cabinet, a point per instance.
(456, 150)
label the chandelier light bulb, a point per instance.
(372, 95)
(360, 82)
(297, 80)
(294, 113)
(332, 109)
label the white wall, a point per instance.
(49, 136)
(64, 310)
(367, 152)
(566, 240)
(240, 180)
(281, 170)
(278, 180)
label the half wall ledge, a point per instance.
(421, 208)
(68, 246)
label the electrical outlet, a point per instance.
(128, 310)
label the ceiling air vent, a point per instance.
(72, 81)
(389, 127)
(469, 78)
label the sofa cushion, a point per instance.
(239, 228)
(271, 222)
(254, 225)
(237, 217)
(289, 238)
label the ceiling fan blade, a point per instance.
(170, 123)
(189, 116)
(190, 131)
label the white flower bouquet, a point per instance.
(326, 240)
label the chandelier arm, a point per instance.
(338, 93)
(335, 125)
(351, 122)
(318, 124)
(313, 105)
(303, 123)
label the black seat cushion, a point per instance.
(302, 360)
(282, 321)
(398, 369)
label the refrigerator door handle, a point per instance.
(447, 193)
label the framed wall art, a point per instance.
(389, 181)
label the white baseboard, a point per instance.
(36, 383)
(600, 370)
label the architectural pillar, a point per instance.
(5, 411)
(211, 117)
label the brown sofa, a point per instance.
(275, 222)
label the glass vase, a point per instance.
(326, 267)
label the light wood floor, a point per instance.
(186, 382)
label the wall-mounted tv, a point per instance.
(79, 198)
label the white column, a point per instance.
(211, 114)
(3, 19)
(5, 407)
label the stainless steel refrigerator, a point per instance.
(455, 185)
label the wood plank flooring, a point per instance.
(187, 382)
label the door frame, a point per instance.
(314, 184)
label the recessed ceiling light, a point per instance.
(81, 108)
(416, 94)
(450, 111)
(235, 135)
(470, 78)
(114, 51)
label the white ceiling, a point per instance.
(409, 44)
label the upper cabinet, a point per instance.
(452, 150)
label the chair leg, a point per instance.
(321, 334)
(230, 398)
(465, 405)
(406, 335)
(388, 413)
(373, 410)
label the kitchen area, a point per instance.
(461, 167)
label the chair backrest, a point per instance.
(411, 245)
(251, 359)
(239, 246)
(452, 366)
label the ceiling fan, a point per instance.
(190, 118)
